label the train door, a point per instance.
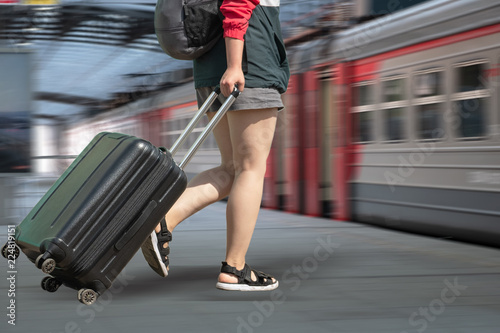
(342, 141)
(310, 148)
(279, 161)
(496, 100)
(290, 187)
(276, 175)
(301, 153)
(327, 130)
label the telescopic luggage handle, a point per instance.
(206, 131)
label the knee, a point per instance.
(256, 166)
(251, 158)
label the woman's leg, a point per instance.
(207, 187)
(244, 139)
(252, 134)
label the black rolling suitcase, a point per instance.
(93, 220)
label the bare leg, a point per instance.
(244, 139)
(206, 188)
(252, 133)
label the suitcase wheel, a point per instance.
(11, 253)
(87, 296)
(50, 284)
(46, 265)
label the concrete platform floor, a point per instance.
(334, 277)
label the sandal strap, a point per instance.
(164, 235)
(164, 251)
(245, 275)
(165, 260)
(263, 278)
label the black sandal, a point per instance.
(154, 252)
(245, 283)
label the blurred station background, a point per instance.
(392, 114)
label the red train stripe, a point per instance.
(489, 30)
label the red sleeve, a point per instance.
(236, 15)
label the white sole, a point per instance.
(245, 287)
(152, 255)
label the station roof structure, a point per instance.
(88, 57)
(92, 56)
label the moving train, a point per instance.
(393, 122)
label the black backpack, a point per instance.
(186, 29)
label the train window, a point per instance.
(363, 123)
(429, 121)
(363, 99)
(393, 106)
(471, 77)
(394, 90)
(470, 99)
(429, 101)
(471, 114)
(362, 94)
(428, 84)
(394, 124)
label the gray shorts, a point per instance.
(249, 99)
